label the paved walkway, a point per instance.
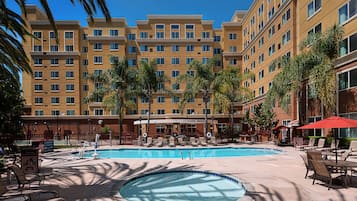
(267, 178)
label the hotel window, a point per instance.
(270, 85)
(233, 62)
(98, 60)
(55, 112)
(144, 59)
(69, 48)
(190, 111)
(347, 80)
(54, 48)
(315, 30)
(175, 86)
(69, 87)
(98, 112)
(260, 25)
(69, 74)
(37, 61)
(68, 34)
(144, 35)
(37, 48)
(261, 41)
(160, 60)
(98, 46)
(175, 60)
(206, 48)
(131, 49)
(287, 55)
(216, 50)
(232, 36)
(160, 48)
(232, 48)
(85, 62)
(190, 48)
(69, 61)
(144, 111)
(114, 46)
(271, 50)
(191, 73)
(160, 35)
(52, 35)
(261, 91)
(84, 36)
(38, 87)
(205, 60)
(190, 35)
(252, 21)
(285, 17)
(37, 34)
(39, 112)
(261, 58)
(313, 7)
(54, 74)
(314, 132)
(175, 34)
(175, 48)
(144, 48)
(208, 111)
(132, 62)
(252, 50)
(70, 112)
(55, 100)
(206, 35)
(131, 36)
(113, 32)
(175, 111)
(55, 87)
(97, 32)
(38, 100)
(252, 65)
(189, 60)
(261, 10)
(271, 31)
(38, 75)
(216, 38)
(348, 45)
(271, 13)
(84, 49)
(70, 100)
(175, 99)
(113, 59)
(160, 99)
(261, 74)
(85, 87)
(285, 38)
(161, 111)
(272, 67)
(85, 75)
(246, 84)
(347, 11)
(160, 26)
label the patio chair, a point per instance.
(4, 195)
(353, 147)
(193, 141)
(202, 141)
(331, 148)
(181, 141)
(172, 142)
(160, 142)
(311, 144)
(213, 141)
(148, 142)
(307, 164)
(321, 171)
(23, 179)
(320, 144)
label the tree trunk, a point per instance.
(231, 118)
(149, 116)
(120, 118)
(206, 118)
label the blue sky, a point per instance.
(132, 10)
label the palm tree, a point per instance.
(227, 90)
(199, 83)
(118, 87)
(13, 27)
(148, 82)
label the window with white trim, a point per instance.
(313, 7)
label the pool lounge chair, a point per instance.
(332, 147)
(181, 141)
(213, 141)
(23, 179)
(311, 144)
(203, 141)
(160, 142)
(193, 141)
(353, 148)
(148, 142)
(320, 144)
(172, 142)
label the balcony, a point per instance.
(55, 53)
(107, 38)
(230, 54)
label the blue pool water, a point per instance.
(181, 153)
(182, 186)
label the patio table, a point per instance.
(344, 165)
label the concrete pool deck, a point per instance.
(267, 178)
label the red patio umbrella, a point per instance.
(332, 122)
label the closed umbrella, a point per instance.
(332, 122)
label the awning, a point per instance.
(293, 123)
(170, 121)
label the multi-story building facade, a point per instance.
(252, 40)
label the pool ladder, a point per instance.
(189, 155)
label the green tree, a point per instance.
(13, 27)
(264, 118)
(149, 82)
(199, 84)
(228, 90)
(117, 89)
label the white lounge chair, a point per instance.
(213, 141)
(193, 141)
(148, 142)
(311, 144)
(160, 142)
(172, 142)
(203, 141)
(181, 141)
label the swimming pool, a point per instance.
(182, 153)
(182, 186)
